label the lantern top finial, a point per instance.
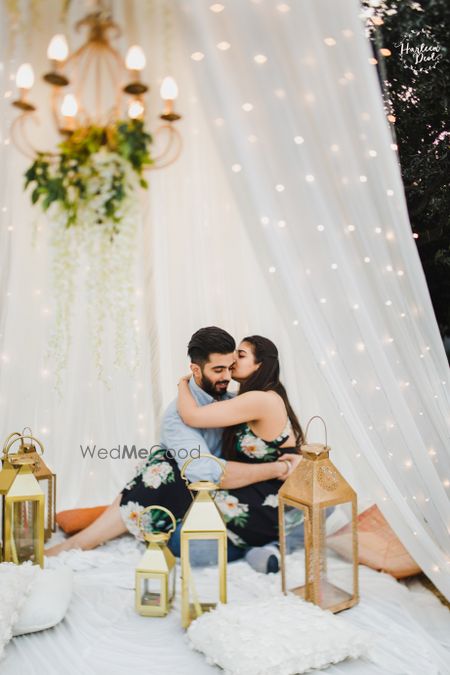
(312, 450)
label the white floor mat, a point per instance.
(103, 635)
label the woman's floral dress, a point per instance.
(250, 512)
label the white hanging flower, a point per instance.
(95, 214)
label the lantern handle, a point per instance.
(188, 461)
(161, 508)
(14, 433)
(20, 436)
(325, 426)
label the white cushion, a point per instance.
(47, 601)
(280, 635)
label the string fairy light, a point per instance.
(281, 223)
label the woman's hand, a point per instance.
(185, 378)
(292, 461)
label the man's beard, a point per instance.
(210, 387)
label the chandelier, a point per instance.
(96, 86)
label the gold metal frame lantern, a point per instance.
(156, 571)
(22, 507)
(202, 521)
(314, 487)
(45, 476)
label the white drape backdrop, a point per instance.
(284, 216)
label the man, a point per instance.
(212, 354)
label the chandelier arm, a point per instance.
(54, 106)
(25, 147)
(81, 72)
(76, 54)
(119, 61)
(116, 54)
(98, 74)
(163, 164)
(160, 162)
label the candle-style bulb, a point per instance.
(25, 76)
(169, 89)
(135, 110)
(135, 59)
(69, 106)
(58, 49)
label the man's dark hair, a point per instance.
(208, 341)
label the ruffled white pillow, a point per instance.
(47, 602)
(280, 635)
(15, 583)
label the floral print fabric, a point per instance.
(250, 512)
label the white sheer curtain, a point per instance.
(191, 243)
(297, 116)
(284, 216)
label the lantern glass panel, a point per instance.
(204, 586)
(24, 533)
(44, 484)
(172, 578)
(2, 529)
(339, 550)
(151, 590)
(294, 520)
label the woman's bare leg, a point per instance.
(107, 526)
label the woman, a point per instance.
(259, 411)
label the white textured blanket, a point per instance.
(102, 634)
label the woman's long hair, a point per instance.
(266, 378)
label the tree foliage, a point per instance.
(419, 100)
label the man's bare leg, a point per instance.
(107, 526)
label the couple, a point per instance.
(206, 418)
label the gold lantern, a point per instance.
(45, 476)
(314, 487)
(202, 522)
(156, 572)
(22, 508)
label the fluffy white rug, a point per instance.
(102, 634)
(15, 583)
